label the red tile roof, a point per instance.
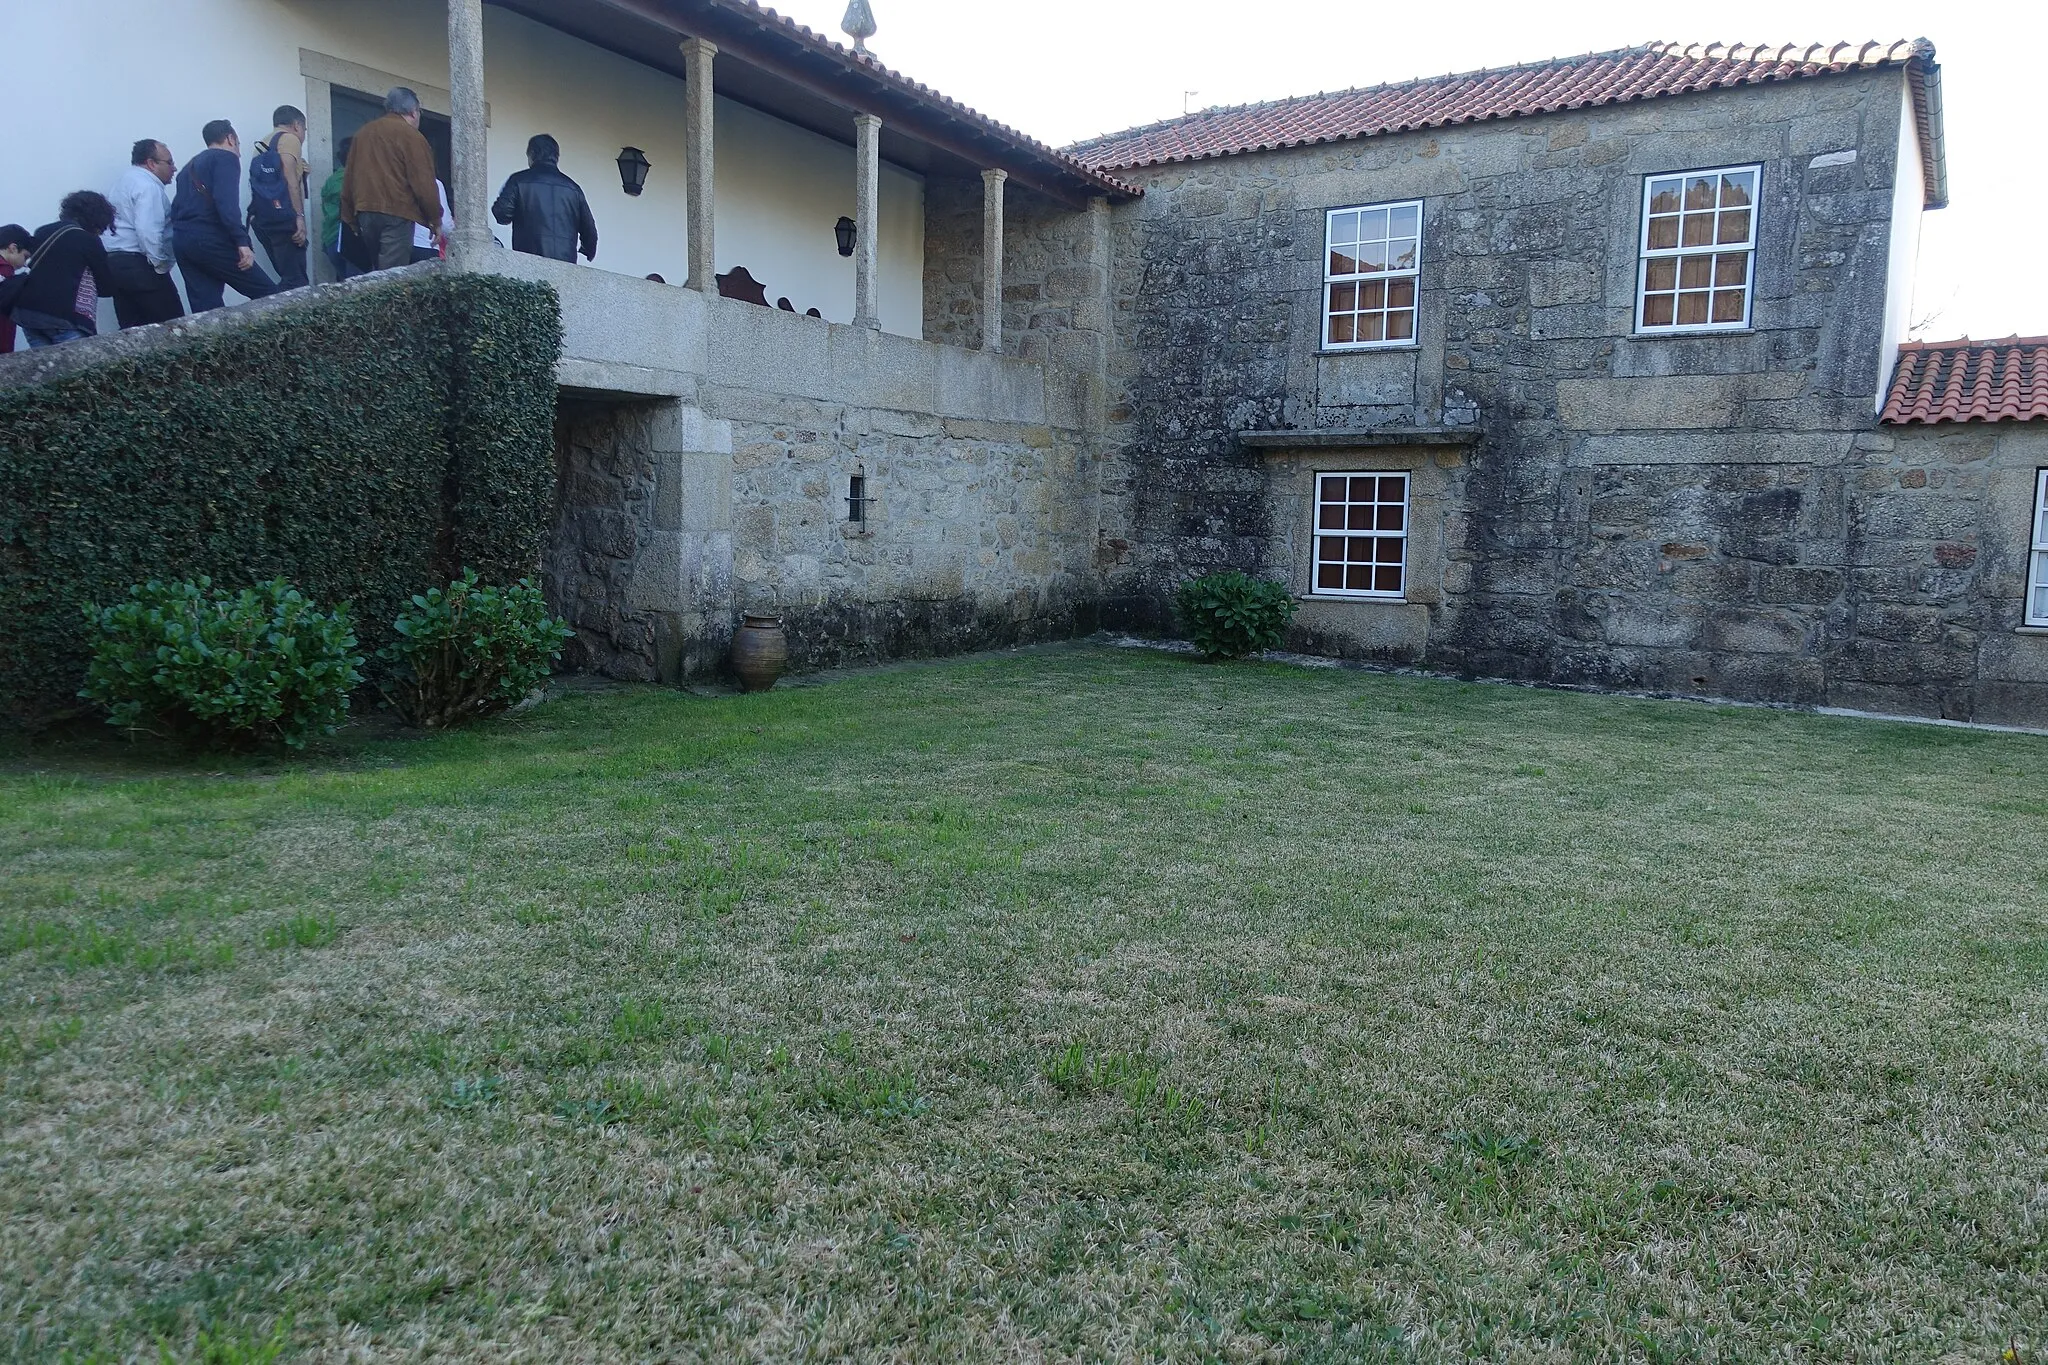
(1970, 381)
(1636, 73)
(1094, 177)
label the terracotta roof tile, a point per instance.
(1970, 381)
(946, 105)
(1637, 73)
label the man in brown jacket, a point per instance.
(389, 184)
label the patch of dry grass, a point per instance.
(1070, 1005)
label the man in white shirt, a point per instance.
(139, 243)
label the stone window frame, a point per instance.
(1387, 277)
(1348, 512)
(1648, 255)
(2037, 558)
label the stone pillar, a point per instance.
(867, 217)
(992, 183)
(469, 198)
(702, 214)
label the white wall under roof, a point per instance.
(145, 69)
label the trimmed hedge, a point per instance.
(364, 445)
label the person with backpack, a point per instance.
(56, 295)
(207, 235)
(277, 196)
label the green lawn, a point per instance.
(1069, 1005)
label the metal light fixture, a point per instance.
(846, 230)
(633, 168)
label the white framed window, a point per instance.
(1370, 264)
(1361, 534)
(1699, 250)
(2037, 574)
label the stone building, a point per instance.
(1599, 351)
(1595, 363)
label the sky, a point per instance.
(1062, 70)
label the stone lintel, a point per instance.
(1280, 442)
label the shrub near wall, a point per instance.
(363, 444)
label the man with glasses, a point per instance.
(139, 243)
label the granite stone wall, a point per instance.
(1695, 514)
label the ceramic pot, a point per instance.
(760, 651)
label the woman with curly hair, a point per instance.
(67, 271)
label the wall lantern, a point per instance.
(846, 231)
(633, 168)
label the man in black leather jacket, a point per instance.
(547, 211)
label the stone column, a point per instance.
(867, 217)
(469, 198)
(992, 183)
(702, 213)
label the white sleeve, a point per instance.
(447, 218)
(152, 225)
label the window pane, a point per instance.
(1663, 233)
(1342, 327)
(1389, 551)
(1699, 230)
(1700, 192)
(1372, 223)
(1343, 298)
(1738, 190)
(1394, 489)
(1330, 576)
(1405, 221)
(1372, 256)
(1342, 264)
(1360, 551)
(1401, 293)
(1331, 518)
(1343, 228)
(1331, 547)
(1387, 578)
(1372, 327)
(1358, 578)
(1735, 226)
(1695, 272)
(1692, 309)
(1728, 304)
(1658, 310)
(1664, 196)
(1731, 268)
(1333, 490)
(1362, 489)
(1401, 325)
(1392, 514)
(1372, 294)
(1362, 517)
(1662, 273)
(1401, 253)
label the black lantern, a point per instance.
(633, 168)
(846, 231)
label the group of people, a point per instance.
(383, 207)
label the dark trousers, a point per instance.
(287, 258)
(209, 268)
(141, 295)
(389, 239)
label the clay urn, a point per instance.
(760, 651)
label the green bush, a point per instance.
(360, 442)
(467, 651)
(1230, 615)
(231, 670)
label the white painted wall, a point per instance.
(163, 68)
(1909, 202)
